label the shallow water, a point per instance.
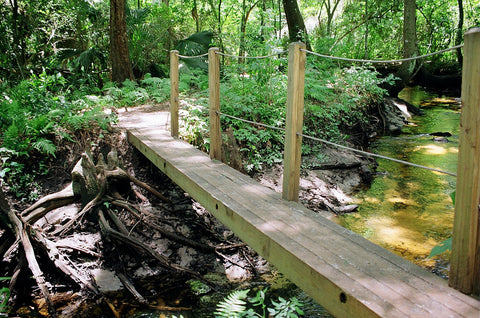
(409, 210)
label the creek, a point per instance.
(409, 210)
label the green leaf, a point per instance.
(440, 248)
(233, 306)
(45, 146)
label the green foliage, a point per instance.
(338, 105)
(441, 248)
(339, 101)
(236, 305)
(445, 245)
(233, 306)
(4, 297)
(198, 287)
(36, 115)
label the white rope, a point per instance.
(251, 57)
(192, 57)
(369, 154)
(382, 61)
(251, 122)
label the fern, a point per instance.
(45, 146)
(233, 306)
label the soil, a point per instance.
(326, 185)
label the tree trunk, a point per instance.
(119, 55)
(243, 28)
(459, 36)
(409, 40)
(296, 26)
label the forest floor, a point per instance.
(224, 262)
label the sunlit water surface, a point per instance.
(409, 210)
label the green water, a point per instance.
(408, 210)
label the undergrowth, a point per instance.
(45, 110)
(40, 112)
(339, 103)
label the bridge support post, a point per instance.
(174, 96)
(214, 102)
(465, 259)
(294, 122)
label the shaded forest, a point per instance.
(68, 67)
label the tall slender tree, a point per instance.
(119, 54)
(459, 35)
(410, 49)
(296, 26)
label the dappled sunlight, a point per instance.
(402, 200)
(433, 149)
(408, 210)
(402, 239)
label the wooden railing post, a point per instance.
(214, 101)
(174, 99)
(294, 122)
(465, 259)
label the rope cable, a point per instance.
(382, 61)
(193, 56)
(251, 122)
(370, 154)
(251, 57)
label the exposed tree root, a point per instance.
(100, 187)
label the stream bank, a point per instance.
(327, 184)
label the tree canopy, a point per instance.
(73, 36)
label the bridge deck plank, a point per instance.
(348, 275)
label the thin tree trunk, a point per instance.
(296, 26)
(366, 29)
(119, 54)
(459, 37)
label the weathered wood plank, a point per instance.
(465, 260)
(348, 275)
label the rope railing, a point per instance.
(371, 154)
(465, 244)
(365, 153)
(251, 57)
(383, 61)
(251, 122)
(346, 59)
(192, 56)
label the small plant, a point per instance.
(235, 305)
(4, 297)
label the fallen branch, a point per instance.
(32, 261)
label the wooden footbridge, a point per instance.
(345, 273)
